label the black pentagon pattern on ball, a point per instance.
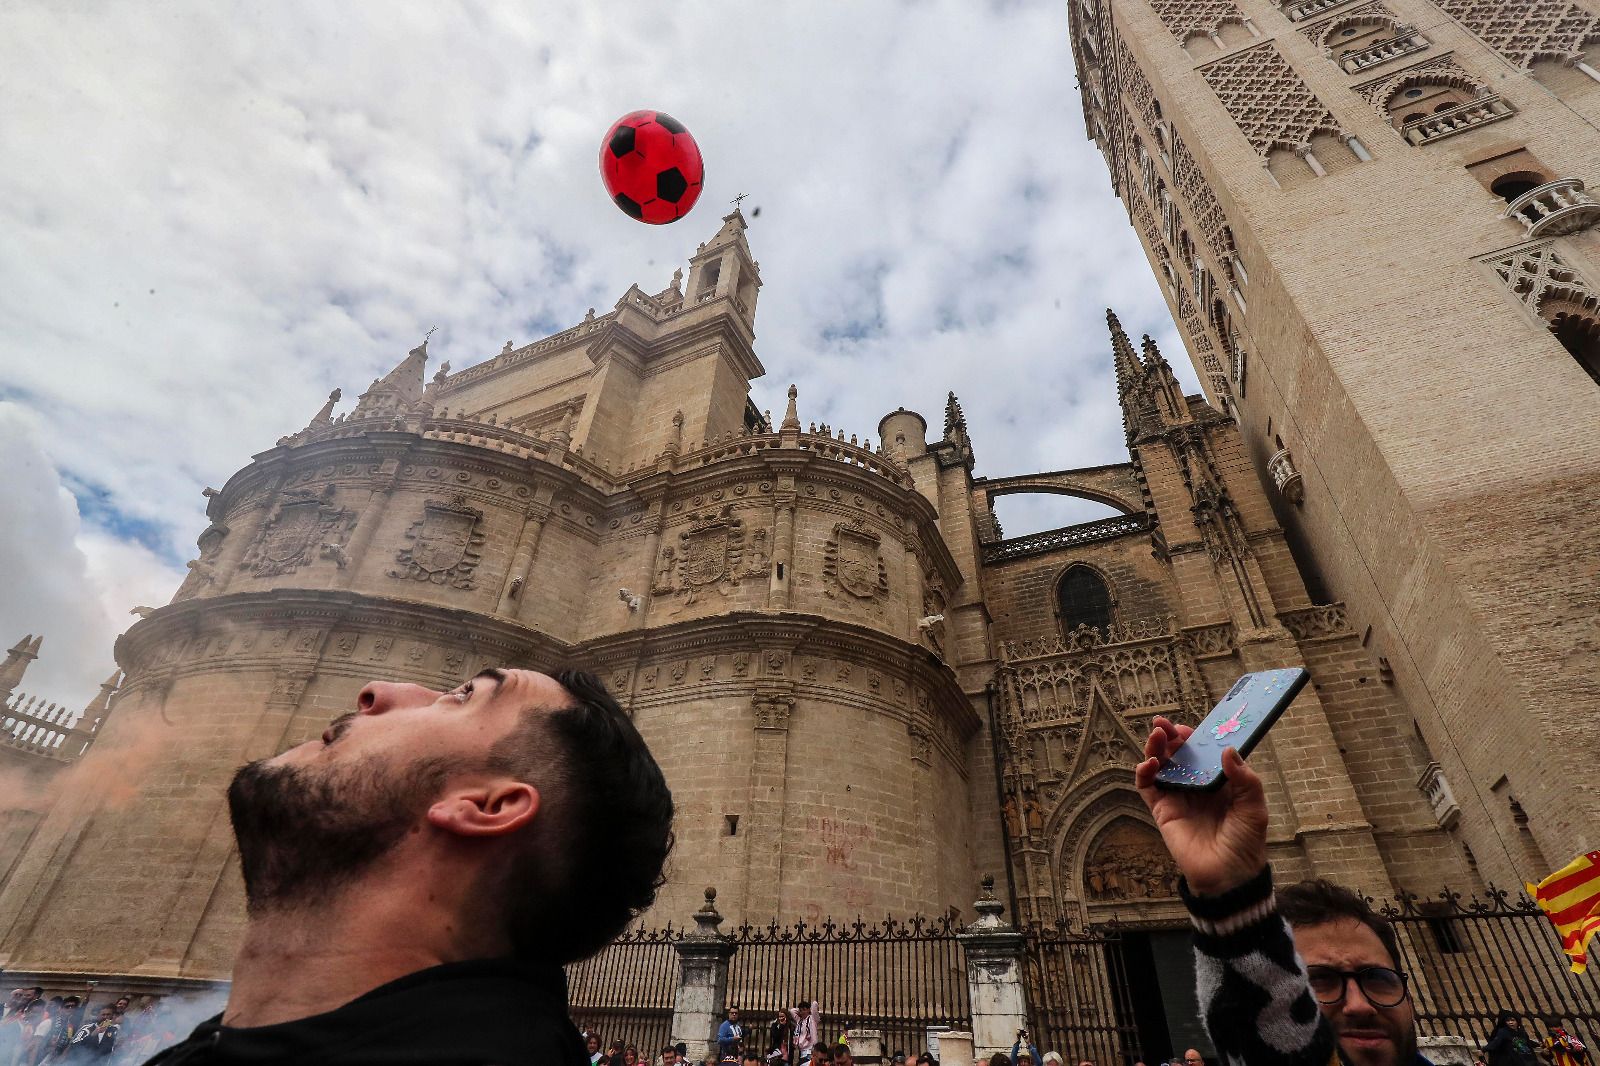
(671, 185)
(626, 202)
(622, 141)
(670, 124)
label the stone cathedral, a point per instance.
(863, 694)
(1371, 224)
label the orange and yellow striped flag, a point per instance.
(1571, 899)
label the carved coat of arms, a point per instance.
(299, 525)
(854, 562)
(445, 545)
(709, 553)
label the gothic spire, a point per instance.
(1164, 383)
(16, 662)
(791, 414)
(324, 416)
(1129, 372)
(397, 390)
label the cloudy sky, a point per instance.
(211, 214)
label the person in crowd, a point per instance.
(591, 1048)
(96, 1039)
(1024, 1046)
(61, 1032)
(999, 1058)
(630, 1056)
(780, 1039)
(821, 1054)
(806, 1019)
(33, 1034)
(1563, 1049)
(681, 1050)
(420, 860)
(1508, 1045)
(1053, 1058)
(614, 1054)
(926, 1059)
(751, 1057)
(1285, 979)
(842, 1055)
(730, 1035)
(1193, 1058)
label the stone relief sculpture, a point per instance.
(853, 563)
(1128, 862)
(301, 521)
(445, 543)
(709, 553)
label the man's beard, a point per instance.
(304, 833)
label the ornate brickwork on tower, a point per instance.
(1403, 320)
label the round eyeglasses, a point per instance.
(1382, 986)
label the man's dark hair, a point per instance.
(821, 1053)
(37, 990)
(751, 1055)
(568, 899)
(1321, 901)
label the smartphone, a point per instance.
(1243, 717)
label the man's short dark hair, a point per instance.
(1321, 901)
(607, 788)
(751, 1055)
(821, 1053)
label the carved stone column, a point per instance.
(994, 976)
(522, 558)
(702, 982)
(773, 703)
(782, 578)
(351, 555)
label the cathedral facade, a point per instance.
(1370, 222)
(864, 696)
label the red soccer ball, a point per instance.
(651, 166)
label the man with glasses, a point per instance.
(1260, 1005)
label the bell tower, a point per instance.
(1371, 223)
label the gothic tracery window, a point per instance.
(1083, 598)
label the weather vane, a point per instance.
(426, 337)
(737, 199)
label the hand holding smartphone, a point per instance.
(1252, 706)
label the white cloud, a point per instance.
(213, 215)
(62, 582)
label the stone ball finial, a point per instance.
(711, 893)
(987, 883)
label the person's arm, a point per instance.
(1255, 999)
(1497, 1040)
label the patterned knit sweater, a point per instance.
(1252, 987)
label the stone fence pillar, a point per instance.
(866, 1046)
(702, 982)
(994, 976)
(956, 1049)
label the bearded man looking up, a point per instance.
(416, 878)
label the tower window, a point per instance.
(1513, 185)
(1084, 599)
(1580, 336)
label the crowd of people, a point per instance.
(36, 1029)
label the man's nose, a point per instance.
(378, 697)
(1356, 1004)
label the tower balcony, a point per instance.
(1309, 9)
(1555, 208)
(1403, 44)
(1285, 476)
(1458, 119)
(1436, 790)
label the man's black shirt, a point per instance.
(480, 1013)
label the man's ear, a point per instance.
(493, 809)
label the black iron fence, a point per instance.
(1078, 993)
(1471, 957)
(900, 977)
(627, 991)
(1093, 994)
